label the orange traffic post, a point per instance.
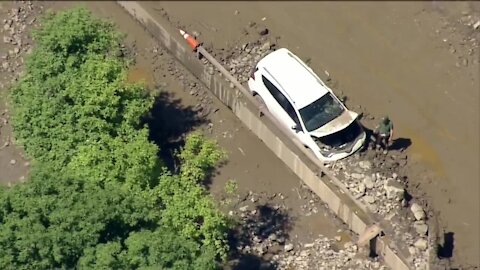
(192, 42)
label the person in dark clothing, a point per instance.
(383, 134)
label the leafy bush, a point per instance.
(95, 199)
(231, 187)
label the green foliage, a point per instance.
(188, 208)
(73, 35)
(231, 187)
(198, 156)
(95, 199)
(48, 222)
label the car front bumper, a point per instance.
(360, 141)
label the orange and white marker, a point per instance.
(192, 42)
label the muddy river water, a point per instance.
(392, 58)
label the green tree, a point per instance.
(95, 199)
(48, 222)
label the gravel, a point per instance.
(268, 240)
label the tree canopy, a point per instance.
(98, 196)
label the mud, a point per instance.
(415, 61)
(14, 166)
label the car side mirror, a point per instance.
(296, 128)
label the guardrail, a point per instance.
(279, 140)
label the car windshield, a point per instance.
(320, 112)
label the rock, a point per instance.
(243, 208)
(13, 162)
(362, 188)
(266, 46)
(394, 190)
(196, 34)
(417, 211)
(281, 239)
(263, 31)
(338, 238)
(369, 199)
(272, 237)
(412, 250)
(420, 227)
(236, 12)
(365, 164)
(5, 65)
(16, 50)
(421, 244)
(309, 245)
(476, 25)
(464, 62)
(357, 176)
(288, 247)
(368, 182)
(260, 250)
(7, 39)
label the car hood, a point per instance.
(337, 124)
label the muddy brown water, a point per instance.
(392, 58)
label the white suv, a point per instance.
(298, 99)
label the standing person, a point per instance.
(383, 134)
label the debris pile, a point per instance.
(15, 37)
(263, 233)
(372, 179)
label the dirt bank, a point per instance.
(416, 61)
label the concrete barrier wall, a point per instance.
(300, 161)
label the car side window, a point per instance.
(282, 100)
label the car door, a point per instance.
(275, 101)
(292, 113)
(285, 112)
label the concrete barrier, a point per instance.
(301, 161)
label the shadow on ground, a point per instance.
(169, 121)
(265, 222)
(400, 144)
(445, 250)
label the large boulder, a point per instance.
(394, 190)
(417, 211)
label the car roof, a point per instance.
(293, 76)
